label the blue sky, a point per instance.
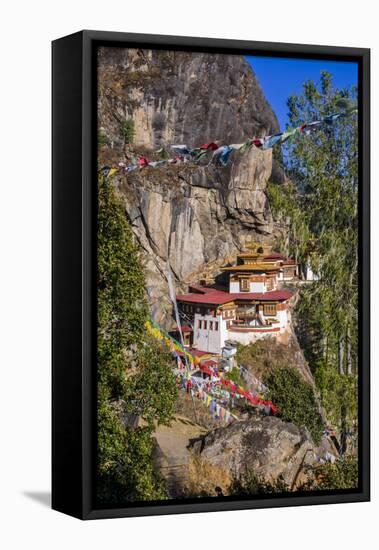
(281, 77)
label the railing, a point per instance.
(257, 328)
(247, 314)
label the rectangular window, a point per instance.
(205, 325)
(244, 285)
(216, 325)
(199, 324)
(210, 325)
(269, 309)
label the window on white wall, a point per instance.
(269, 309)
(244, 285)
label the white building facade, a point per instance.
(252, 307)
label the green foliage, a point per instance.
(320, 211)
(128, 131)
(285, 203)
(122, 307)
(341, 475)
(125, 470)
(295, 400)
(151, 391)
(324, 169)
(235, 376)
(251, 484)
(265, 355)
(336, 390)
(101, 138)
(134, 373)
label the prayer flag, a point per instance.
(183, 149)
(332, 118)
(212, 146)
(270, 141)
(111, 172)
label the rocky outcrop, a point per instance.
(183, 97)
(193, 218)
(268, 446)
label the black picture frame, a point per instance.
(74, 269)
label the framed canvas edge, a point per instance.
(90, 40)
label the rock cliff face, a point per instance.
(180, 97)
(193, 218)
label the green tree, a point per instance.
(319, 207)
(134, 374)
(285, 201)
(128, 131)
(295, 400)
(101, 138)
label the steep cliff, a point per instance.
(195, 218)
(180, 97)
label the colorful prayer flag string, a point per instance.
(221, 154)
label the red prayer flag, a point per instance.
(212, 146)
(142, 161)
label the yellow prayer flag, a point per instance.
(112, 171)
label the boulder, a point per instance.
(268, 446)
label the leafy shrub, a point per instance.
(128, 131)
(234, 376)
(251, 484)
(341, 475)
(295, 399)
(101, 138)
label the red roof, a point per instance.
(274, 256)
(278, 256)
(206, 369)
(209, 363)
(203, 289)
(197, 353)
(219, 297)
(186, 328)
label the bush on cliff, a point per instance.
(295, 399)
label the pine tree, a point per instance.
(320, 208)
